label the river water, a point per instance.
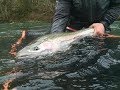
(50, 73)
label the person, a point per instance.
(78, 14)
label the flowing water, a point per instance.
(50, 73)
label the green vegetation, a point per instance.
(26, 10)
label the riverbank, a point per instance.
(26, 10)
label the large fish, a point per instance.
(53, 43)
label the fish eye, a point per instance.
(36, 48)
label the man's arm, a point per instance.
(112, 14)
(61, 16)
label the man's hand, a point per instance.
(99, 28)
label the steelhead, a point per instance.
(53, 43)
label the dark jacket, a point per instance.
(82, 13)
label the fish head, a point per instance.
(35, 50)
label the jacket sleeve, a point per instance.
(112, 14)
(62, 13)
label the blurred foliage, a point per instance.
(22, 10)
(26, 10)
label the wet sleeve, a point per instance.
(112, 14)
(62, 13)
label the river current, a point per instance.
(51, 73)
